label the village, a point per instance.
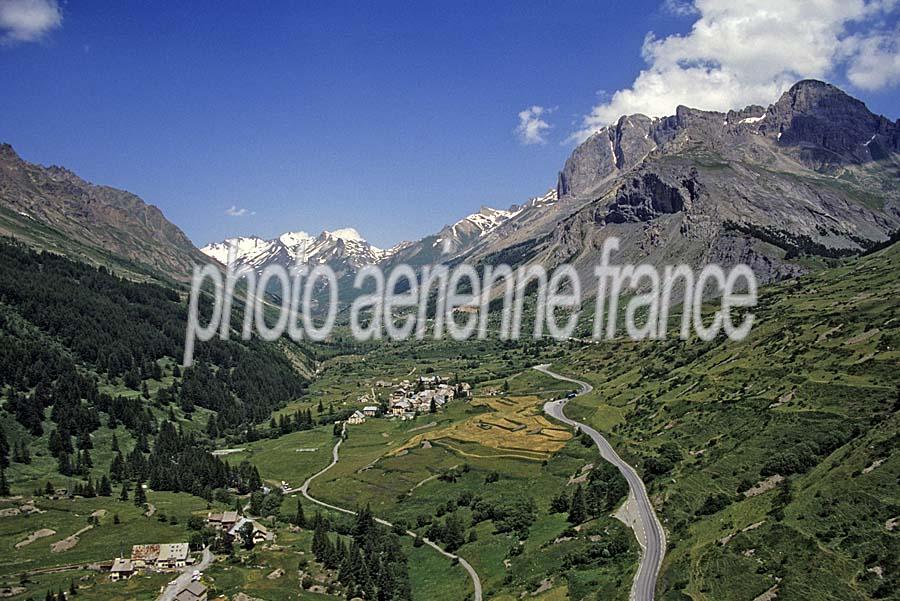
(408, 398)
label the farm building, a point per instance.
(160, 556)
(122, 569)
(260, 532)
(222, 521)
(193, 592)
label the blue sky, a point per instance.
(394, 118)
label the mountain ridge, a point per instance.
(810, 177)
(814, 174)
(88, 220)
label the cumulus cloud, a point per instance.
(875, 60)
(28, 20)
(233, 211)
(740, 53)
(680, 8)
(532, 125)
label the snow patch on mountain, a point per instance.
(346, 234)
(245, 246)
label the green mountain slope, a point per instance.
(773, 460)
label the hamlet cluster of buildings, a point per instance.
(165, 556)
(159, 556)
(232, 523)
(410, 398)
(169, 556)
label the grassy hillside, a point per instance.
(773, 460)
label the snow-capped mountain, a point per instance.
(248, 250)
(346, 251)
(461, 234)
(343, 248)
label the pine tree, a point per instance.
(4, 450)
(140, 497)
(115, 443)
(64, 464)
(212, 428)
(347, 569)
(578, 509)
(320, 538)
(85, 459)
(4, 485)
(123, 495)
(20, 452)
(117, 468)
(299, 517)
(105, 488)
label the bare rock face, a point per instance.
(611, 150)
(829, 128)
(648, 195)
(815, 173)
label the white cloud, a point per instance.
(740, 53)
(531, 125)
(680, 8)
(28, 20)
(874, 60)
(233, 211)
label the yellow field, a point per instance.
(514, 426)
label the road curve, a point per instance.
(335, 457)
(644, 585)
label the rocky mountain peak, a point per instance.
(7, 152)
(814, 122)
(812, 95)
(828, 127)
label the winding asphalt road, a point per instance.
(644, 585)
(335, 457)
